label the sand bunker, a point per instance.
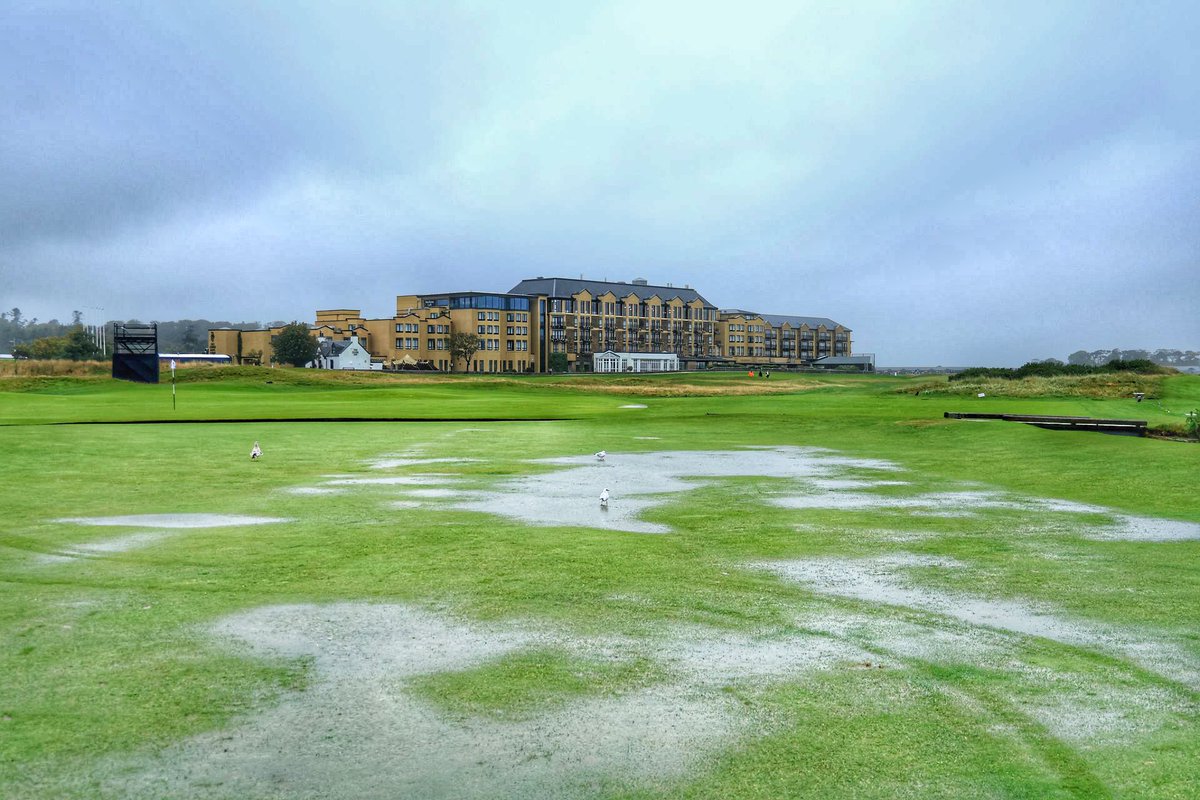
(359, 731)
(175, 520)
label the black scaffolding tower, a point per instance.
(135, 352)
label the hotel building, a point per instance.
(546, 324)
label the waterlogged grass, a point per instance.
(528, 682)
(110, 656)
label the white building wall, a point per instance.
(610, 361)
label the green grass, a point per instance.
(108, 656)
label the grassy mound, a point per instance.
(1109, 385)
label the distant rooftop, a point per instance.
(567, 287)
(777, 320)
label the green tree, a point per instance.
(80, 346)
(294, 345)
(463, 345)
(558, 362)
(44, 349)
(191, 342)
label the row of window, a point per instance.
(621, 309)
(413, 327)
(501, 302)
(499, 365)
(414, 343)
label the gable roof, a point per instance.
(567, 287)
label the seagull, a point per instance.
(255, 452)
(601, 455)
(604, 499)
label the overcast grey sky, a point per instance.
(959, 183)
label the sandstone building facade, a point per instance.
(543, 324)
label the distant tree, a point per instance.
(1080, 357)
(80, 346)
(46, 348)
(558, 362)
(191, 342)
(294, 345)
(463, 345)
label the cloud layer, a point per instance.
(958, 183)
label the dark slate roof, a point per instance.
(566, 287)
(333, 347)
(776, 320)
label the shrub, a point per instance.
(1191, 423)
(1052, 369)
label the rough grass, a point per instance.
(1111, 385)
(649, 385)
(649, 388)
(14, 371)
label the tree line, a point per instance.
(1170, 358)
(32, 338)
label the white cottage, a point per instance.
(349, 354)
(611, 361)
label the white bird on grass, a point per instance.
(604, 499)
(601, 455)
